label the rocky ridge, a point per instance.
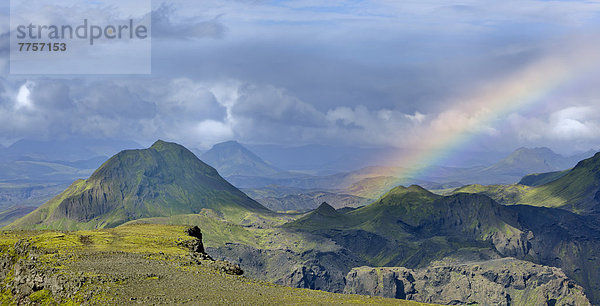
(505, 281)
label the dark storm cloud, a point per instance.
(112, 100)
(125, 108)
(298, 72)
(392, 64)
(52, 95)
(268, 104)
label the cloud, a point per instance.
(564, 128)
(186, 99)
(22, 117)
(202, 113)
(378, 127)
(574, 123)
(113, 100)
(211, 131)
(50, 95)
(417, 117)
(270, 104)
(4, 46)
(23, 99)
(163, 25)
(363, 73)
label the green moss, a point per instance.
(42, 297)
(6, 297)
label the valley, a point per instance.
(300, 152)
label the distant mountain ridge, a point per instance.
(163, 180)
(245, 169)
(511, 169)
(64, 150)
(533, 160)
(311, 200)
(41, 161)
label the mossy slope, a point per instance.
(134, 264)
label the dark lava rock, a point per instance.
(195, 246)
(199, 256)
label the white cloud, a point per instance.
(344, 114)
(23, 96)
(209, 132)
(190, 100)
(577, 122)
(567, 128)
(417, 117)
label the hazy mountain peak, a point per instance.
(537, 151)
(524, 161)
(232, 158)
(229, 143)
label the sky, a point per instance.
(344, 73)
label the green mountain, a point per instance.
(577, 190)
(163, 180)
(538, 179)
(231, 158)
(412, 227)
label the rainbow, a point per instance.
(447, 133)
